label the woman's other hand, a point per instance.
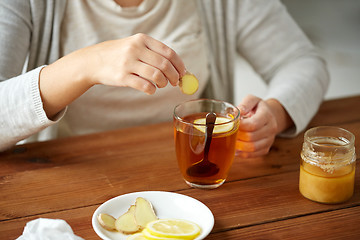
(261, 122)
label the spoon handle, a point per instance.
(210, 121)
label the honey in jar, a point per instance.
(327, 168)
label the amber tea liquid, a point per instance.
(190, 143)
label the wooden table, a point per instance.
(69, 178)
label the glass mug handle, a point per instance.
(238, 147)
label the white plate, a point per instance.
(166, 205)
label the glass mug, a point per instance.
(327, 168)
(205, 156)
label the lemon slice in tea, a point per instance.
(225, 124)
(173, 228)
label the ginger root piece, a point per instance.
(144, 212)
(189, 84)
(107, 221)
(126, 223)
(134, 220)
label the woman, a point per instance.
(89, 64)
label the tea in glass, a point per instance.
(202, 167)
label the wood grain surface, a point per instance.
(69, 178)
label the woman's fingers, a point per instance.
(151, 60)
(254, 144)
(167, 53)
(160, 66)
(137, 58)
(258, 118)
(261, 122)
(257, 153)
(257, 132)
(141, 84)
(248, 105)
(251, 136)
(150, 73)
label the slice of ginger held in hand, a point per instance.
(189, 84)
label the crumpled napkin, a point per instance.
(48, 229)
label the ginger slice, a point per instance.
(135, 219)
(126, 223)
(189, 84)
(107, 221)
(144, 212)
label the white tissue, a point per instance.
(48, 229)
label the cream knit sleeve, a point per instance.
(21, 110)
(286, 60)
(22, 113)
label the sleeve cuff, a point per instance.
(37, 101)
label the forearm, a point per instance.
(300, 87)
(61, 83)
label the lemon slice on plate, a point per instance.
(173, 229)
(137, 236)
(225, 124)
(148, 236)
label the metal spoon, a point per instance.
(205, 168)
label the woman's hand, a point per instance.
(139, 62)
(262, 121)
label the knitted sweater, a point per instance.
(261, 31)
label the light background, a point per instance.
(334, 28)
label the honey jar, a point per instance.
(327, 167)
